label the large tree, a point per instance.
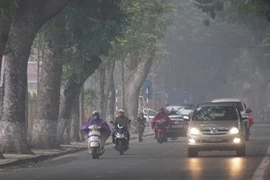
(138, 49)
(7, 9)
(30, 16)
(47, 112)
(105, 21)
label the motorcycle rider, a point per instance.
(160, 115)
(105, 128)
(141, 120)
(121, 119)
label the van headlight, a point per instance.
(194, 131)
(234, 130)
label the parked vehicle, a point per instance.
(216, 126)
(94, 141)
(244, 112)
(179, 125)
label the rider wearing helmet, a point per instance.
(105, 128)
(160, 115)
(121, 119)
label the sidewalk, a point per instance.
(45, 154)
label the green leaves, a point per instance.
(148, 21)
(91, 27)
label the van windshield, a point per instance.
(215, 113)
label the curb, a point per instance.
(40, 158)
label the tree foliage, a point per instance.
(92, 26)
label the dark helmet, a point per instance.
(95, 114)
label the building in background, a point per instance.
(32, 74)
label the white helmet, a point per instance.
(121, 110)
(94, 112)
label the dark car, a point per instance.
(179, 125)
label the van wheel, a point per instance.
(192, 152)
(247, 134)
(240, 152)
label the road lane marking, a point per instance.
(259, 173)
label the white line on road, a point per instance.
(259, 173)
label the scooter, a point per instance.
(160, 127)
(121, 138)
(94, 141)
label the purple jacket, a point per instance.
(99, 122)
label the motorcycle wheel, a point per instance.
(160, 138)
(94, 153)
(140, 138)
(121, 148)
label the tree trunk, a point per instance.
(13, 135)
(66, 138)
(30, 16)
(70, 95)
(5, 24)
(102, 74)
(75, 123)
(109, 85)
(137, 75)
(65, 112)
(45, 123)
(112, 100)
(81, 110)
(123, 84)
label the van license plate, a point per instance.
(216, 140)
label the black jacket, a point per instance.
(141, 121)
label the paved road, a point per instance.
(151, 161)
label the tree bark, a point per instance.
(66, 138)
(45, 123)
(5, 24)
(123, 84)
(108, 86)
(136, 74)
(70, 94)
(66, 108)
(30, 16)
(112, 100)
(75, 123)
(102, 103)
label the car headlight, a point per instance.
(234, 130)
(194, 131)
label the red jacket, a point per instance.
(160, 116)
(250, 118)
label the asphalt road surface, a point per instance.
(149, 160)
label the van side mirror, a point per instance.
(248, 110)
(186, 118)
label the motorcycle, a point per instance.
(121, 138)
(160, 127)
(94, 141)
